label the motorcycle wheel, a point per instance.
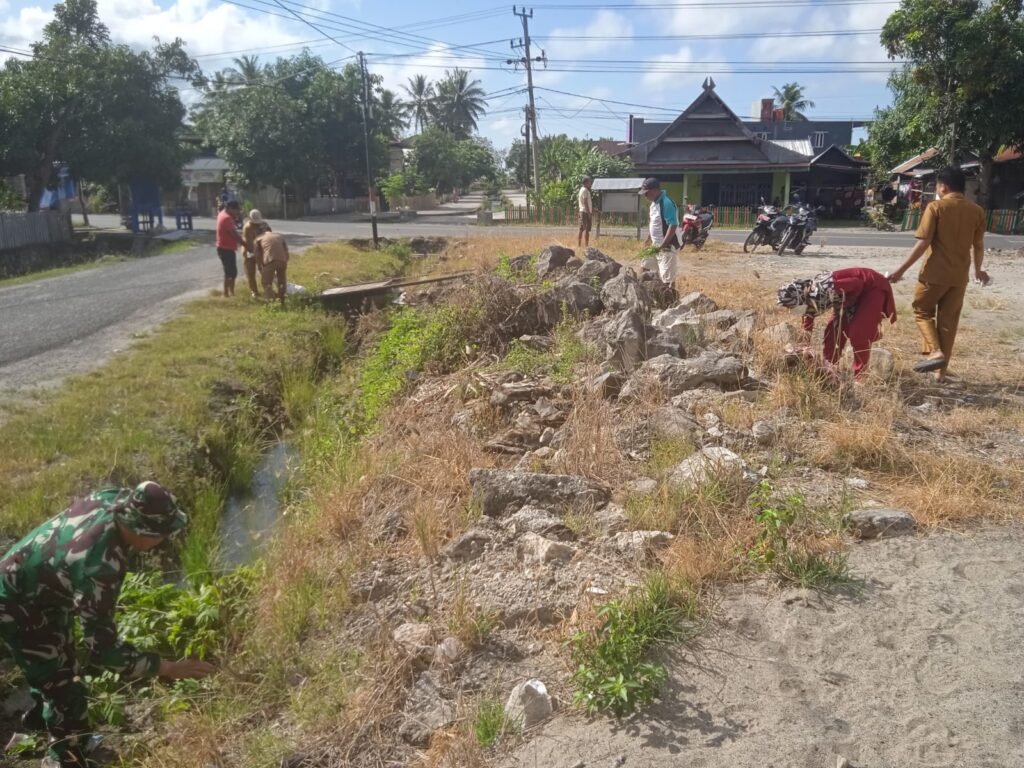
(784, 243)
(799, 249)
(753, 240)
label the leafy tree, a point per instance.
(459, 103)
(108, 112)
(391, 120)
(247, 71)
(446, 162)
(562, 163)
(967, 70)
(902, 130)
(421, 95)
(792, 100)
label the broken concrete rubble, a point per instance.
(499, 492)
(672, 375)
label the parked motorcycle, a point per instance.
(768, 229)
(696, 226)
(799, 229)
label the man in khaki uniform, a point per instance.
(272, 253)
(950, 227)
(253, 228)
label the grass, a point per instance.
(490, 724)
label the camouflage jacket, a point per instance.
(75, 563)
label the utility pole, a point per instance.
(527, 61)
(526, 163)
(367, 114)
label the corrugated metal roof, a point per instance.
(800, 146)
(617, 185)
(206, 164)
(909, 165)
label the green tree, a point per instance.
(391, 120)
(904, 129)
(445, 162)
(562, 163)
(247, 71)
(967, 69)
(421, 95)
(459, 103)
(792, 101)
(108, 112)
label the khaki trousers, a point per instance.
(937, 312)
(275, 270)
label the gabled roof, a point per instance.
(839, 158)
(918, 165)
(709, 135)
(908, 165)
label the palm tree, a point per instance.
(247, 70)
(421, 95)
(792, 101)
(391, 114)
(460, 103)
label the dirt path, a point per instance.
(922, 668)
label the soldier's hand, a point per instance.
(185, 669)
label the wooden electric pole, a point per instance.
(367, 114)
(527, 61)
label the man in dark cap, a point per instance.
(74, 564)
(663, 223)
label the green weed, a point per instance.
(559, 362)
(613, 668)
(490, 723)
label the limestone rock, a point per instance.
(521, 265)
(499, 491)
(674, 376)
(681, 324)
(642, 486)
(607, 385)
(640, 543)
(612, 519)
(551, 258)
(673, 424)
(709, 463)
(625, 340)
(880, 522)
(416, 639)
(468, 546)
(539, 521)
(883, 364)
(593, 254)
(579, 298)
(697, 302)
(600, 271)
(721, 318)
(425, 711)
(534, 548)
(778, 335)
(449, 651)
(529, 704)
(664, 344)
(763, 432)
(624, 291)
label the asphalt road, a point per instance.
(71, 323)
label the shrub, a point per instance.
(490, 722)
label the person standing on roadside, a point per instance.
(664, 221)
(951, 227)
(254, 227)
(228, 241)
(73, 566)
(272, 253)
(586, 208)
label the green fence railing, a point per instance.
(1001, 221)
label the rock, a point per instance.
(592, 332)
(499, 491)
(680, 324)
(697, 303)
(883, 364)
(468, 546)
(857, 483)
(425, 712)
(548, 411)
(842, 762)
(606, 385)
(521, 265)
(673, 424)
(534, 548)
(674, 376)
(662, 295)
(560, 438)
(573, 264)
(551, 258)
(721, 319)
(708, 463)
(612, 519)
(546, 435)
(599, 271)
(642, 486)
(763, 432)
(664, 344)
(529, 704)
(539, 521)
(579, 298)
(880, 522)
(449, 651)
(625, 340)
(778, 335)
(538, 343)
(416, 639)
(624, 291)
(640, 543)
(593, 254)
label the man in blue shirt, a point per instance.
(664, 221)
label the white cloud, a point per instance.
(604, 24)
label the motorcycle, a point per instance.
(768, 229)
(799, 229)
(696, 226)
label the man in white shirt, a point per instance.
(664, 221)
(586, 212)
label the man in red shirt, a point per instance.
(228, 241)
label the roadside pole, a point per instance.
(371, 197)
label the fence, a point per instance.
(324, 206)
(41, 227)
(1000, 222)
(736, 217)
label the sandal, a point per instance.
(931, 364)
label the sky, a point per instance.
(605, 60)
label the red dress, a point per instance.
(866, 299)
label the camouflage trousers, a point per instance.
(43, 646)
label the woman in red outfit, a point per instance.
(859, 300)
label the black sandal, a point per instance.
(931, 364)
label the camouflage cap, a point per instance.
(152, 510)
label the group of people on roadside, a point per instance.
(951, 237)
(264, 252)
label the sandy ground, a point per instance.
(920, 667)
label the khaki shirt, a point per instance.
(271, 247)
(952, 225)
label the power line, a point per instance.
(704, 4)
(315, 27)
(719, 36)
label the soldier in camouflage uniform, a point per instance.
(75, 564)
